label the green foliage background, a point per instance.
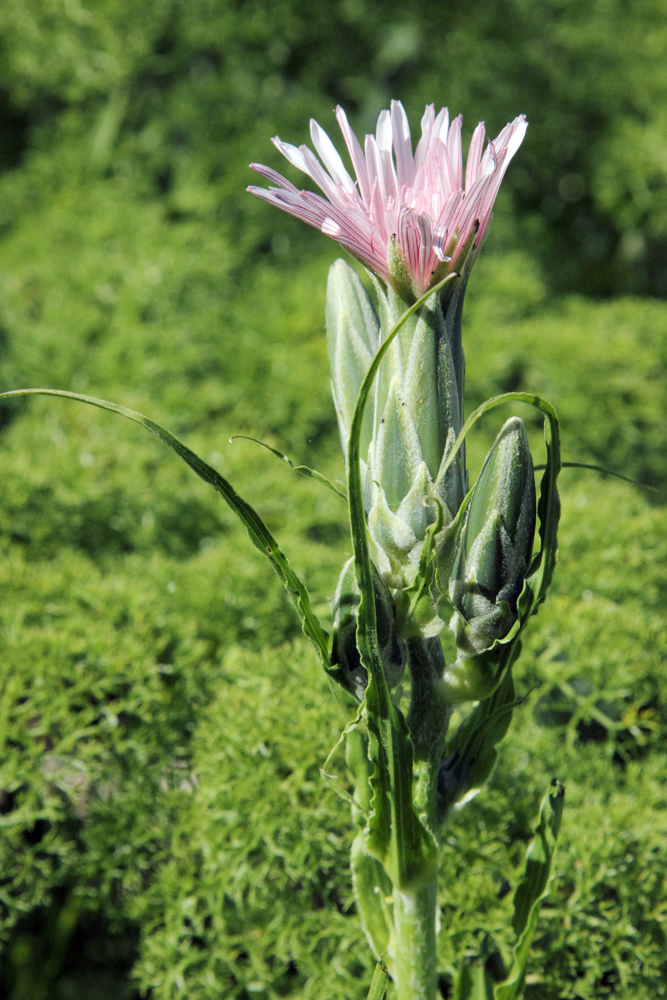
(164, 831)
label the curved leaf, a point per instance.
(259, 534)
(303, 469)
(533, 888)
(605, 472)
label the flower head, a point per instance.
(420, 202)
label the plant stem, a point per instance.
(428, 719)
(414, 922)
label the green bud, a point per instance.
(417, 418)
(398, 535)
(397, 453)
(496, 542)
(353, 337)
(421, 375)
(345, 655)
(414, 412)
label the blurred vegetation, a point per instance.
(164, 831)
(168, 100)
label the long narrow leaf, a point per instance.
(605, 472)
(471, 753)
(333, 779)
(257, 530)
(305, 470)
(533, 888)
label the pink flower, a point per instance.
(420, 199)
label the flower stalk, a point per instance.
(415, 961)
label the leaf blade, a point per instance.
(533, 888)
(379, 982)
(259, 534)
(304, 470)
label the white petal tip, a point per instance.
(331, 228)
(520, 126)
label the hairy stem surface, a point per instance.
(414, 922)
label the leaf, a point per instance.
(395, 834)
(533, 888)
(448, 545)
(333, 779)
(454, 312)
(378, 982)
(605, 472)
(473, 983)
(353, 335)
(421, 611)
(259, 534)
(397, 449)
(303, 469)
(542, 568)
(373, 895)
(471, 753)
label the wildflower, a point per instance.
(419, 204)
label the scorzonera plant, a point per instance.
(433, 556)
(427, 548)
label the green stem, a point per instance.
(414, 923)
(428, 718)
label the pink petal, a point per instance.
(441, 124)
(294, 204)
(356, 155)
(376, 177)
(315, 170)
(330, 156)
(384, 140)
(415, 241)
(405, 164)
(408, 238)
(427, 126)
(444, 221)
(518, 130)
(419, 198)
(454, 150)
(273, 176)
(447, 169)
(474, 155)
(290, 153)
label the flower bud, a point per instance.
(417, 418)
(496, 542)
(413, 413)
(353, 337)
(345, 655)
